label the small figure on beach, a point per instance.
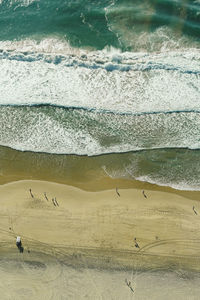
(145, 196)
(19, 244)
(194, 210)
(117, 192)
(128, 283)
(53, 202)
(45, 195)
(136, 244)
(31, 193)
(56, 202)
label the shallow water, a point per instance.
(178, 168)
(107, 77)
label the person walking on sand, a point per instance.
(45, 195)
(128, 283)
(194, 210)
(145, 196)
(117, 192)
(136, 244)
(53, 201)
(31, 193)
(56, 201)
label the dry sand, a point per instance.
(92, 231)
(164, 224)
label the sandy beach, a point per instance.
(104, 224)
(123, 233)
(86, 235)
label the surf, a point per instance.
(71, 131)
(102, 78)
(108, 80)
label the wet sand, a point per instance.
(38, 277)
(86, 173)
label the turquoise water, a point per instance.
(104, 77)
(97, 24)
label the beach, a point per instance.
(99, 230)
(99, 150)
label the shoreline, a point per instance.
(99, 227)
(83, 172)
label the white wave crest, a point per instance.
(24, 3)
(51, 72)
(48, 45)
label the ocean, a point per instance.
(113, 80)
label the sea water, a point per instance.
(102, 77)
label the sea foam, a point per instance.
(40, 73)
(58, 99)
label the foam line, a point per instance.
(106, 65)
(101, 82)
(64, 131)
(99, 111)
